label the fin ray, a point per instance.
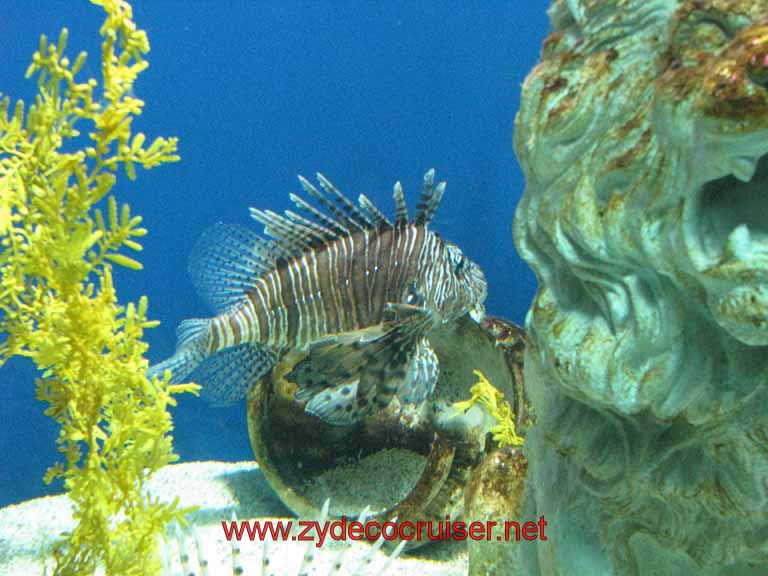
(339, 216)
(336, 405)
(401, 208)
(376, 215)
(376, 358)
(228, 375)
(422, 375)
(225, 263)
(351, 211)
(430, 199)
(291, 236)
(322, 218)
(191, 350)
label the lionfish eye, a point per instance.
(457, 259)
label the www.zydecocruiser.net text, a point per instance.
(345, 529)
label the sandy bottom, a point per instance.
(220, 490)
(396, 471)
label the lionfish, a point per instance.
(355, 293)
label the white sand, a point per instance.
(348, 487)
(219, 489)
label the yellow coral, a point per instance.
(485, 394)
(58, 305)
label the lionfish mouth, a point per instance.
(477, 313)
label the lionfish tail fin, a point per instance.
(191, 350)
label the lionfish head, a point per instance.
(465, 287)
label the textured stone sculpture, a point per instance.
(643, 133)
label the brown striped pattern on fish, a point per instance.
(342, 286)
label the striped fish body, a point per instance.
(357, 293)
(342, 286)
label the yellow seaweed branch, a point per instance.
(58, 305)
(490, 398)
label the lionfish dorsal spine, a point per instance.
(376, 215)
(429, 200)
(322, 218)
(426, 190)
(318, 232)
(401, 208)
(337, 215)
(351, 211)
(292, 236)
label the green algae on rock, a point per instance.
(643, 135)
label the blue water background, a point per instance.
(258, 92)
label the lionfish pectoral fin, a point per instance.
(328, 377)
(387, 360)
(375, 359)
(422, 374)
(228, 375)
(333, 360)
(337, 405)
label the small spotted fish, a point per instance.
(352, 291)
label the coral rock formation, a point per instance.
(642, 133)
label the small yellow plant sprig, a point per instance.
(490, 398)
(58, 305)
